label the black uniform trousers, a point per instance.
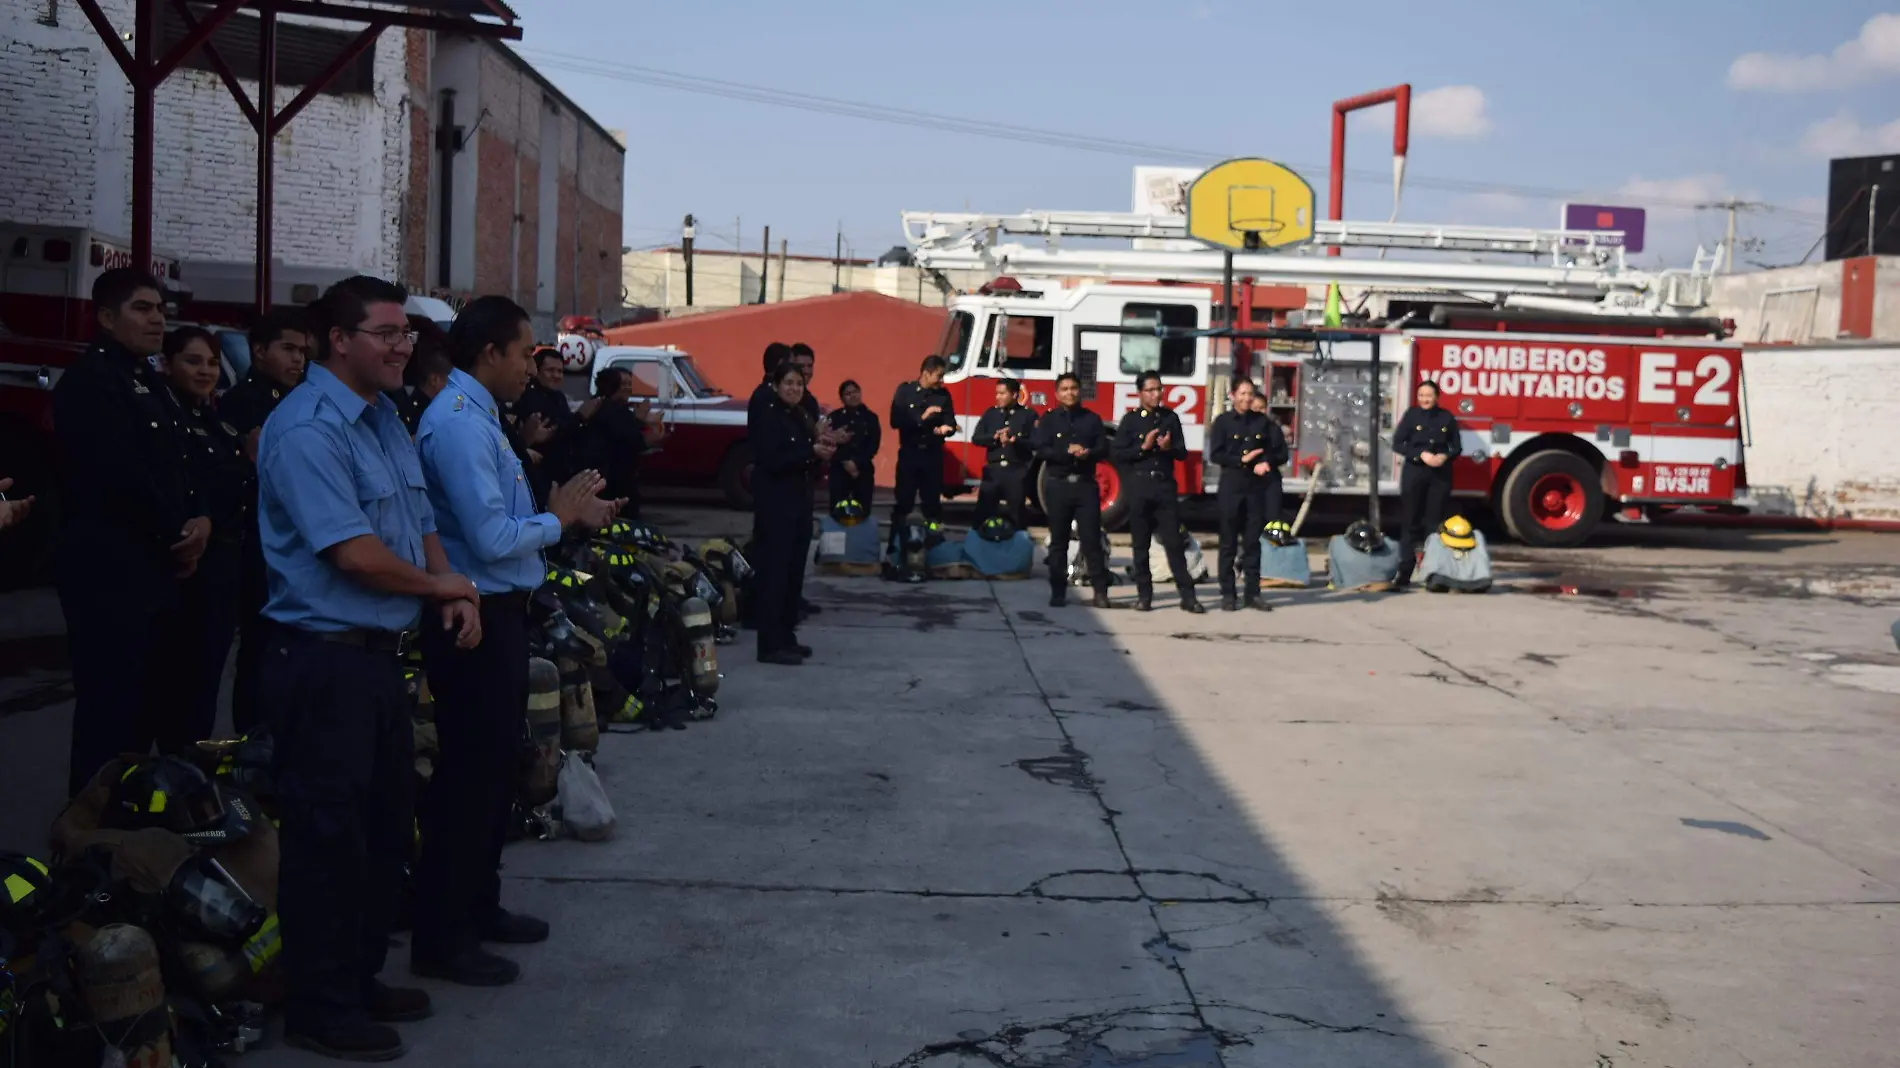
(345, 770)
(783, 539)
(1077, 503)
(481, 701)
(112, 643)
(1424, 496)
(1247, 504)
(253, 632)
(842, 487)
(1002, 492)
(1152, 505)
(919, 485)
(193, 643)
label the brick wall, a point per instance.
(416, 268)
(566, 255)
(342, 164)
(528, 193)
(494, 213)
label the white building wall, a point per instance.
(67, 109)
(1821, 422)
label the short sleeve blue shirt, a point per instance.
(331, 467)
(491, 530)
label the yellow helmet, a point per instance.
(1456, 533)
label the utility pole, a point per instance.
(782, 243)
(837, 260)
(1873, 197)
(765, 264)
(1734, 207)
(686, 249)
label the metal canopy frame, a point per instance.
(146, 71)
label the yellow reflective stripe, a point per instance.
(158, 801)
(262, 948)
(18, 889)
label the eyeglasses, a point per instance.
(390, 335)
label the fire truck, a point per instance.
(46, 276)
(1585, 389)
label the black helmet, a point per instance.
(173, 794)
(1280, 532)
(1364, 537)
(849, 512)
(996, 528)
(246, 764)
(25, 889)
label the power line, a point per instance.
(697, 84)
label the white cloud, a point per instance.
(1870, 56)
(1458, 111)
(1843, 135)
(1674, 195)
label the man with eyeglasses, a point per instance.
(280, 349)
(349, 538)
(1149, 441)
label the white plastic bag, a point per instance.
(585, 810)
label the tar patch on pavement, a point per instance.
(1069, 768)
(1742, 830)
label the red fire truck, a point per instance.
(1584, 388)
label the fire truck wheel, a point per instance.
(735, 476)
(1553, 499)
(1114, 504)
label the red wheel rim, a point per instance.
(1109, 482)
(1557, 501)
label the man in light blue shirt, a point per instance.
(350, 544)
(492, 532)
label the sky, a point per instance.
(1662, 105)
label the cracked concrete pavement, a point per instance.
(1644, 820)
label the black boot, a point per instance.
(1254, 602)
(1191, 604)
(1101, 597)
(1144, 601)
(1058, 596)
(1227, 603)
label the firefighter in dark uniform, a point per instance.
(923, 417)
(786, 451)
(616, 442)
(1070, 440)
(852, 475)
(1148, 443)
(1427, 439)
(1250, 448)
(280, 347)
(425, 375)
(131, 529)
(350, 540)
(195, 638)
(1004, 432)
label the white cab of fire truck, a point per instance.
(702, 429)
(1585, 388)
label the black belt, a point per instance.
(1073, 476)
(512, 601)
(393, 642)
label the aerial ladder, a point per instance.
(1567, 270)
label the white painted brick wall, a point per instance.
(1821, 430)
(341, 163)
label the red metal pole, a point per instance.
(144, 109)
(1400, 97)
(267, 126)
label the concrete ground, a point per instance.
(1635, 807)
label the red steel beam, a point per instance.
(317, 9)
(267, 127)
(110, 37)
(342, 59)
(219, 66)
(1400, 97)
(144, 129)
(196, 33)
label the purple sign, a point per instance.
(1605, 217)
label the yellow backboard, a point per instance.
(1231, 201)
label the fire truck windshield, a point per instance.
(688, 375)
(955, 342)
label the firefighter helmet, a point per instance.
(1456, 533)
(996, 528)
(1364, 537)
(26, 884)
(1280, 532)
(171, 793)
(849, 512)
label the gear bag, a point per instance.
(1463, 570)
(1349, 569)
(843, 550)
(1000, 559)
(1284, 566)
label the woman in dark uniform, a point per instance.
(851, 475)
(1250, 448)
(196, 640)
(785, 450)
(1427, 440)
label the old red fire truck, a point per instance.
(1586, 389)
